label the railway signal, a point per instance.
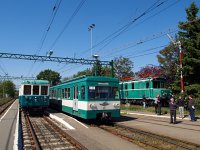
(178, 44)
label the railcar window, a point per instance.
(27, 89)
(67, 93)
(76, 92)
(156, 84)
(147, 85)
(44, 90)
(133, 85)
(59, 92)
(63, 93)
(126, 86)
(35, 89)
(162, 84)
(82, 92)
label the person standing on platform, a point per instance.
(159, 104)
(172, 107)
(144, 102)
(156, 106)
(191, 107)
(181, 104)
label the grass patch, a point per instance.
(4, 100)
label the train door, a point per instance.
(75, 99)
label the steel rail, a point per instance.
(36, 141)
(172, 141)
(64, 134)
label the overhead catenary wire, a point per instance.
(121, 30)
(157, 13)
(68, 23)
(45, 33)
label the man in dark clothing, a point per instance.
(181, 104)
(172, 107)
(159, 104)
(191, 108)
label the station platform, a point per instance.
(92, 138)
(8, 126)
(184, 129)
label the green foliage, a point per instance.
(123, 67)
(168, 59)
(189, 36)
(52, 76)
(7, 89)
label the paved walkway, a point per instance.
(7, 127)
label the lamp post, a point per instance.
(90, 28)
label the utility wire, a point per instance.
(117, 33)
(68, 22)
(45, 33)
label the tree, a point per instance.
(169, 65)
(7, 89)
(149, 71)
(123, 67)
(190, 39)
(52, 76)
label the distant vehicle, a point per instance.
(34, 94)
(134, 91)
(87, 97)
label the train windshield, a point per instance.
(44, 90)
(27, 89)
(103, 92)
(158, 84)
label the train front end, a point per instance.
(34, 95)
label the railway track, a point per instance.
(5, 106)
(149, 140)
(166, 123)
(43, 133)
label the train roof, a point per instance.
(91, 78)
(35, 82)
(145, 79)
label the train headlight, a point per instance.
(116, 105)
(93, 106)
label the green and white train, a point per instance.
(87, 97)
(34, 94)
(134, 91)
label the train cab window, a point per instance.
(147, 85)
(82, 92)
(27, 89)
(132, 85)
(100, 92)
(35, 89)
(44, 90)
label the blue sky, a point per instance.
(23, 23)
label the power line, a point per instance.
(54, 12)
(117, 33)
(68, 22)
(44, 36)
